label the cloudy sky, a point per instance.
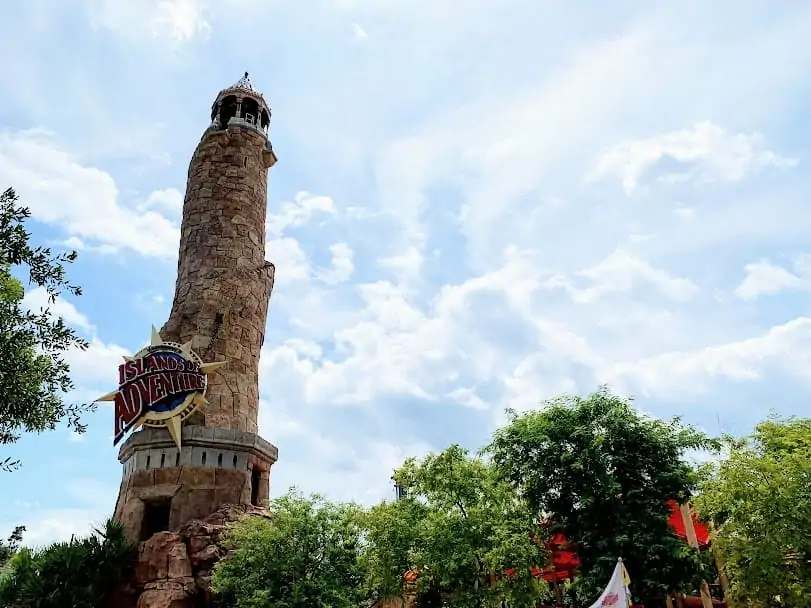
(478, 204)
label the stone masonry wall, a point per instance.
(195, 493)
(223, 281)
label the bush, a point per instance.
(306, 554)
(80, 573)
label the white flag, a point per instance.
(616, 593)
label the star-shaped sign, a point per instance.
(160, 386)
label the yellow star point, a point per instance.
(175, 430)
(207, 368)
(107, 397)
(156, 338)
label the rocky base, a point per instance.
(174, 568)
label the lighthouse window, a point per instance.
(250, 110)
(156, 517)
(228, 109)
(256, 477)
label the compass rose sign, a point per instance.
(160, 386)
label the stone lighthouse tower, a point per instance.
(220, 308)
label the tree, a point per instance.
(759, 498)
(603, 473)
(460, 529)
(305, 554)
(82, 573)
(33, 375)
(10, 548)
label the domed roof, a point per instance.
(241, 88)
(245, 84)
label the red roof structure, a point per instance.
(563, 556)
(676, 522)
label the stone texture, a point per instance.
(164, 556)
(221, 300)
(195, 493)
(174, 569)
(223, 281)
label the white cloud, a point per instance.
(298, 212)
(358, 33)
(168, 199)
(785, 348)
(342, 265)
(173, 21)
(621, 271)
(38, 300)
(706, 150)
(82, 201)
(467, 396)
(765, 278)
(95, 367)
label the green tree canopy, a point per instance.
(602, 473)
(461, 529)
(33, 375)
(306, 554)
(759, 498)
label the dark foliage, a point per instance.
(80, 573)
(603, 473)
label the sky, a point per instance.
(478, 204)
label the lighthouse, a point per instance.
(193, 393)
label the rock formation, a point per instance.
(174, 568)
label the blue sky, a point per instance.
(477, 205)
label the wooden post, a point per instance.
(692, 540)
(706, 598)
(558, 594)
(668, 601)
(722, 571)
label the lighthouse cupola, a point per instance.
(243, 104)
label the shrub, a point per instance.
(80, 573)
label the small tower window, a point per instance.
(156, 518)
(250, 110)
(228, 109)
(256, 479)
